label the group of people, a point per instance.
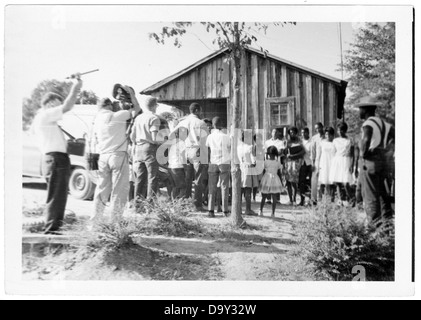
(197, 156)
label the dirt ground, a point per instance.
(262, 251)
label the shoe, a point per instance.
(211, 214)
(269, 202)
(227, 213)
(261, 213)
(219, 210)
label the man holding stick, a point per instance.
(53, 145)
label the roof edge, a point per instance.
(167, 80)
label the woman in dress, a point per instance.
(249, 178)
(294, 157)
(342, 164)
(271, 185)
(326, 152)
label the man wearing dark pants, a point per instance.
(376, 136)
(306, 169)
(219, 145)
(144, 137)
(196, 166)
(53, 145)
(315, 142)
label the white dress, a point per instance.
(326, 152)
(271, 184)
(249, 176)
(339, 172)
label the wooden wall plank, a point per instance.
(254, 105)
(219, 87)
(284, 84)
(264, 121)
(179, 89)
(291, 82)
(303, 100)
(297, 94)
(331, 105)
(214, 67)
(208, 80)
(225, 77)
(273, 79)
(315, 100)
(309, 101)
(321, 102)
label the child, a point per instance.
(326, 152)
(271, 184)
(249, 178)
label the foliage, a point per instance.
(371, 64)
(334, 241)
(224, 32)
(168, 217)
(31, 105)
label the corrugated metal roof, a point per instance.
(167, 80)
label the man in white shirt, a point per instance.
(144, 137)
(176, 161)
(274, 141)
(196, 153)
(315, 143)
(219, 145)
(113, 164)
(53, 146)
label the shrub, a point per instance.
(334, 240)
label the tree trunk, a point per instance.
(236, 216)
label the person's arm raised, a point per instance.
(70, 101)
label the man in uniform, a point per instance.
(376, 136)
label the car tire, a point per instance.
(81, 185)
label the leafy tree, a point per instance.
(87, 97)
(31, 105)
(371, 64)
(236, 36)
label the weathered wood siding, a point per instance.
(315, 97)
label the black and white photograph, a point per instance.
(209, 150)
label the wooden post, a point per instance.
(236, 217)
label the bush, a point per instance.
(335, 239)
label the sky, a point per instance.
(53, 42)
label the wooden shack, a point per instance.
(276, 93)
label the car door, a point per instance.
(31, 156)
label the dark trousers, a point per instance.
(179, 177)
(376, 200)
(222, 173)
(304, 180)
(56, 169)
(195, 172)
(146, 171)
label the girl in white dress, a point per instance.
(249, 177)
(271, 184)
(326, 152)
(342, 164)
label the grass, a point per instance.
(334, 240)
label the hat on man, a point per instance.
(368, 102)
(117, 86)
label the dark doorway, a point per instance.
(210, 108)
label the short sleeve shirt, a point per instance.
(50, 136)
(144, 125)
(110, 130)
